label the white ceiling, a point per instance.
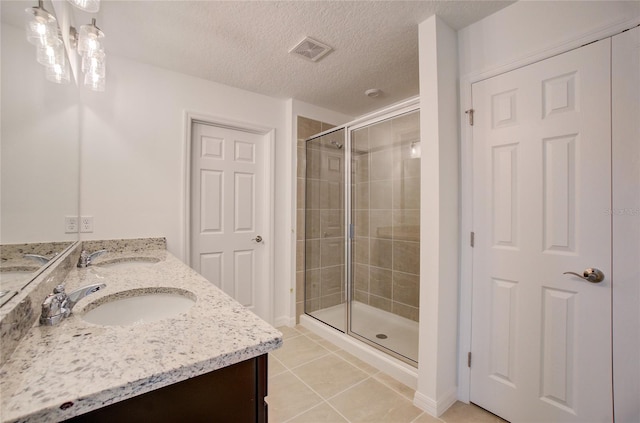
(245, 44)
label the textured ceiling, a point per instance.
(245, 44)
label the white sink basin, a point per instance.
(135, 307)
(129, 263)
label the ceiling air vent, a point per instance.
(311, 49)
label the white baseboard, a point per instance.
(284, 321)
(435, 407)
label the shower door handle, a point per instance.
(257, 239)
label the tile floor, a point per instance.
(313, 381)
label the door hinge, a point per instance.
(472, 239)
(469, 359)
(470, 114)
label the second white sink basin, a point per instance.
(133, 307)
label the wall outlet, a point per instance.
(86, 224)
(70, 224)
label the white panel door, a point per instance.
(227, 213)
(541, 339)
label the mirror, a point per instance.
(39, 157)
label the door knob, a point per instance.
(591, 274)
(257, 239)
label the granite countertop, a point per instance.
(91, 366)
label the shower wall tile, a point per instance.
(312, 287)
(302, 160)
(312, 253)
(380, 223)
(299, 310)
(300, 193)
(381, 253)
(360, 141)
(332, 223)
(313, 200)
(361, 296)
(380, 302)
(332, 165)
(406, 193)
(361, 196)
(331, 195)
(408, 312)
(331, 252)
(380, 194)
(312, 228)
(361, 277)
(332, 280)
(406, 288)
(361, 223)
(300, 255)
(380, 282)
(380, 135)
(300, 225)
(381, 165)
(326, 126)
(299, 286)
(331, 300)
(406, 256)
(361, 250)
(360, 169)
(308, 127)
(313, 164)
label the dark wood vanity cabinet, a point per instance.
(232, 394)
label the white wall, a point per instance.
(520, 34)
(439, 220)
(132, 153)
(39, 147)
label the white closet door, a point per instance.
(541, 340)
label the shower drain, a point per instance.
(381, 336)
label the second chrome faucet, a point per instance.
(86, 258)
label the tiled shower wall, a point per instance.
(306, 128)
(386, 214)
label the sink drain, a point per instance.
(381, 336)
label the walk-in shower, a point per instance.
(362, 227)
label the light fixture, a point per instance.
(373, 93)
(42, 30)
(89, 47)
(415, 150)
(91, 6)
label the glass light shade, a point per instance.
(94, 62)
(50, 55)
(59, 73)
(94, 81)
(89, 39)
(42, 30)
(91, 6)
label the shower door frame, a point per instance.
(405, 107)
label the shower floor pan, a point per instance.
(370, 322)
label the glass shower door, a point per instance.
(385, 249)
(325, 294)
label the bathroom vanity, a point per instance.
(208, 363)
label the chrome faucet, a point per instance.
(40, 259)
(59, 304)
(86, 258)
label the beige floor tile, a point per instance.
(372, 401)
(328, 345)
(425, 418)
(288, 397)
(302, 329)
(357, 362)
(329, 375)
(397, 386)
(322, 413)
(288, 332)
(299, 350)
(275, 367)
(469, 413)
